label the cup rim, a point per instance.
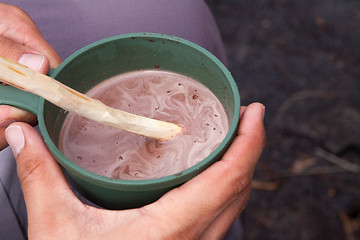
(147, 184)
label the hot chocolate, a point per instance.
(156, 94)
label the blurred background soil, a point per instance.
(301, 58)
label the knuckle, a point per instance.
(239, 183)
(15, 23)
(257, 139)
(10, 11)
(29, 169)
(238, 180)
(162, 230)
(9, 49)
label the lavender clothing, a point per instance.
(72, 24)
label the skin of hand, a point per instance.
(202, 208)
(22, 41)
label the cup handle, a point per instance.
(15, 97)
(24, 100)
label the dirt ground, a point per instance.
(301, 58)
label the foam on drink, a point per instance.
(155, 94)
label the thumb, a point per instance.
(24, 55)
(40, 176)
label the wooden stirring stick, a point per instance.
(57, 93)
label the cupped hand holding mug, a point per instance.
(203, 208)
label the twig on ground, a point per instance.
(315, 171)
(265, 186)
(337, 160)
(350, 226)
(301, 95)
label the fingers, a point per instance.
(251, 138)
(221, 224)
(24, 55)
(16, 26)
(40, 176)
(22, 41)
(9, 115)
(30, 58)
(219, 227)
(242, 110)
(227, 181)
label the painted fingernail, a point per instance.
(33, 61)
(15, 138)
(6, 122)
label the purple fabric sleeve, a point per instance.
(70, 25)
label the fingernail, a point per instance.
(6, 122)
(263, 111)
(33, 61)
(15, 138)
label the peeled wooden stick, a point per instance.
(57, 93)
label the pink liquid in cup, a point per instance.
(156, 94)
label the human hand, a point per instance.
(22, 41)
(202, 208)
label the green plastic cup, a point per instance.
(112, 56)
